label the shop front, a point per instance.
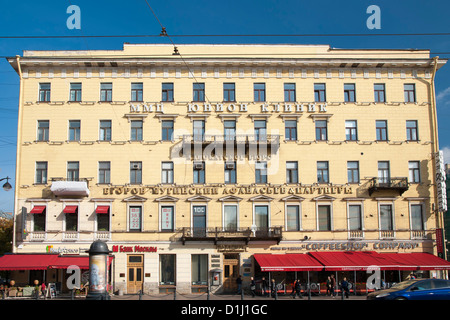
(365, 270)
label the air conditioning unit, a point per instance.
(136, 166)
(229, 166)
(198, 166)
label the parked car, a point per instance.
(417, 289)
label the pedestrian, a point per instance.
(252, 287)
(298, 289)
(333, 285)
(293, 288)
(273, 288)
(344, 287)
(43, 289)
(328, 286)
(239, 285)
(264, 287)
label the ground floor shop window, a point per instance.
(167, 269)
(199, 269)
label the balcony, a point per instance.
(60, 187)
(237, 234)
(241, 142)
(399, 185)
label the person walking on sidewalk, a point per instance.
(333, 285)
(252, 287)
(298, 289)
(239, 285)
(328, 286)
(344, 287)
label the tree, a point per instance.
(6, 235)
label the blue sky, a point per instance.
(134, 17)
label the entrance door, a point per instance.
(230, 272)
(135, 270)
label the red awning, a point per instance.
(353, 260)
(287, 262)
(37, 209)
(27, 261)
(416, 261)
(70, 209)
(43, 261)
(102, 209)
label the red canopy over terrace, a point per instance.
(287, 262)
(27, 261)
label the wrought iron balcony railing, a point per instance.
(386, 184)
(230, 234)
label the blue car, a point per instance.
(417, 289)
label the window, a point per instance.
(103, 222)
(74, 130)
(44, 92)
(136, 130)
(199, 172)
(349, 92)
(199, 269)
(291, 172)
(260, 130)
(262, 217)
(379, 92)
(105, 130)
(167, 92)
(106, 92)
(135, 218)
(351, 131)
(383, 172)
(39, 221)
(229, 94)
(386, 217)
(73, 171)
(72, 220)
(293, 218)
(289, 92)
(259, 92)
(417, 221)
(319, 92)
(43, 130)
(137, 90)
(199, 92)
(167, 130)
(229, 128)
(353, 171)
(411, 130)
(322, 172)
(167, 172)
(381, 130)
(410, 92)
(135, 172)
(230, 172)
(199, 130)
(290, 128)
(324, 217)
(261, 172)
(75, 92)
(230, 217)
(41, 172)
(167, 269)
(167, 218)
(199, 220)
(414, 171)
(354, 217)
(321, 130)
(104, 172)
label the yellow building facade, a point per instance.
(189, 165)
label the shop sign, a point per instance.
(351, 246)
(230, 248)
(134, 249)
(242, 190)
(62, 250)
(440, 181)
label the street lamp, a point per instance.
(7, 186)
